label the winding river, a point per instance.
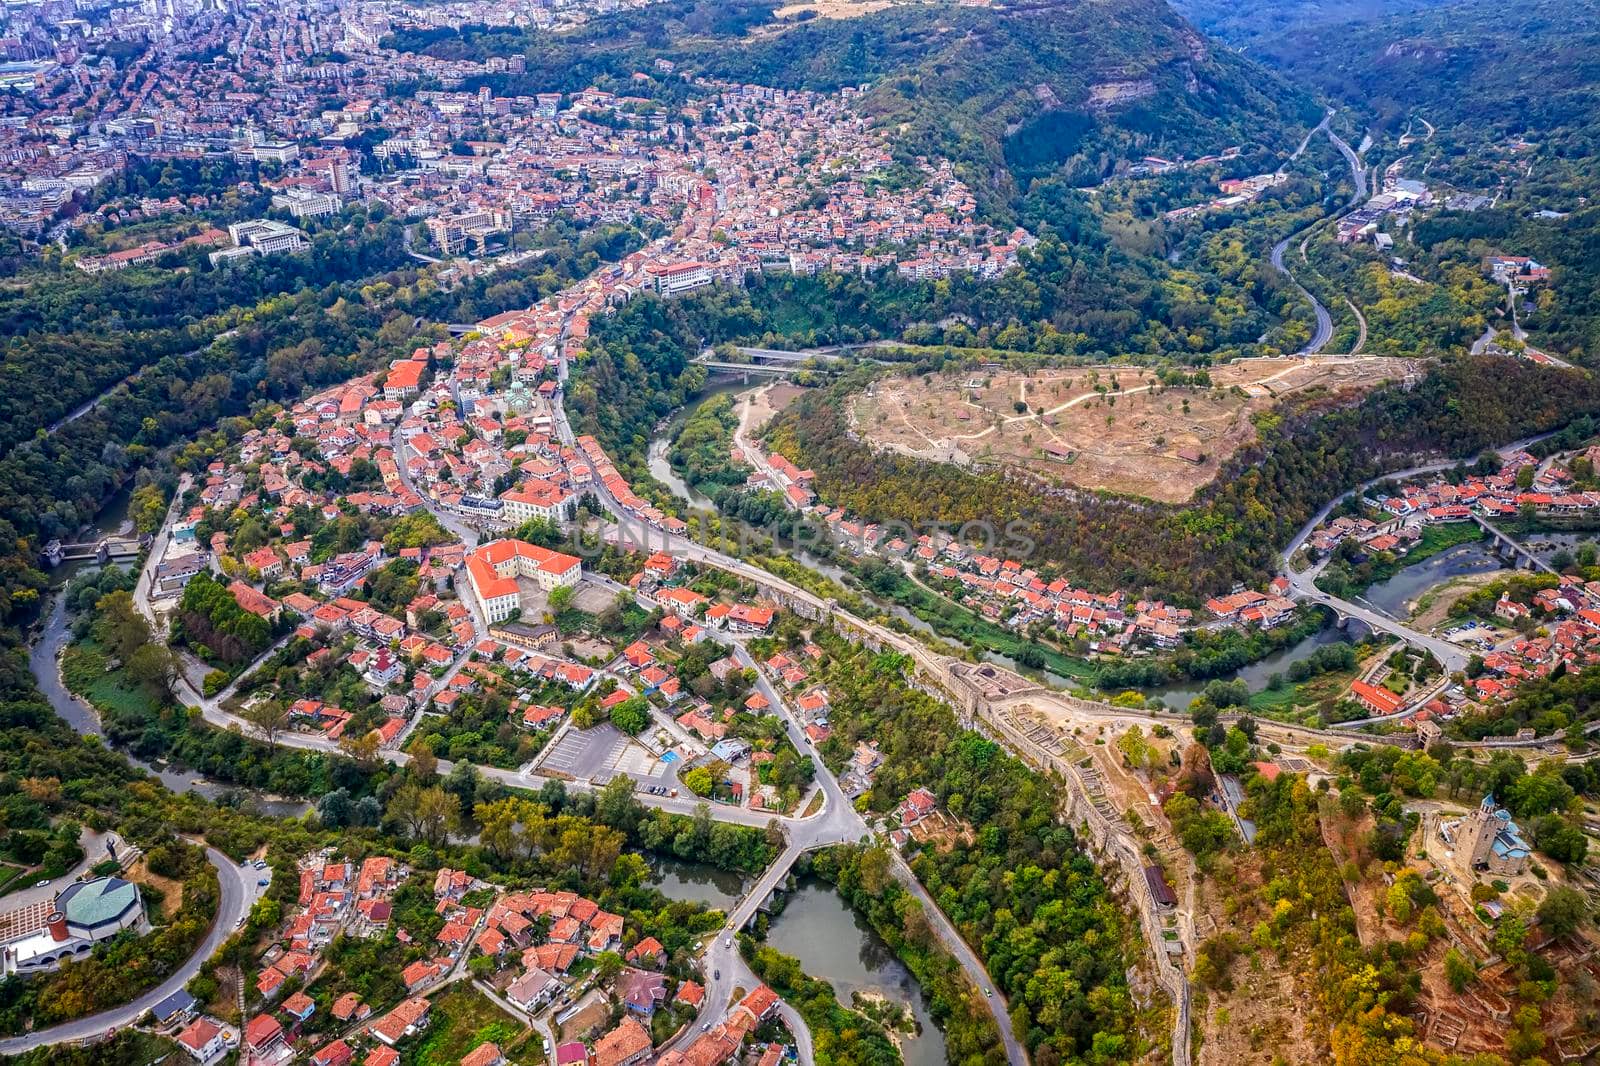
(44, 658)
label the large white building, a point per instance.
(267, 236)
(537, 499)
(494, 568)
(675, 278)
(43, 935)
(302, 203)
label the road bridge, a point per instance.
(1505, 545)
(749, 370)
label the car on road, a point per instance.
(727, 942)
(263, 883)
(716, 975)
(987, 992)
(42, 884)
(260, 864)
(705, 1026)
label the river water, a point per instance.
(1396, 596)
(818, 928)
(697, 882)
(43, 661)
(661, 467)
(1179, 694)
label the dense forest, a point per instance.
(1059, 947)
(1307, 451)
(1247, 23)
(1531, 69)
(635, 370)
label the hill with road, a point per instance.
(1310, 449)
(1513, 71)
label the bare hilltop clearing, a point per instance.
(1117, 428)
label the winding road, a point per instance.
(1303, 582)
(1323, 333)
(237, 897)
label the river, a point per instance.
(697, 882)
(43, 660)
(660, 444)
(818, 928)
(1179, 694)
(1395, 596)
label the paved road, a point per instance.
(144, 586)
(238, 895)
(93, 844)
(1358, 175)
(465, 533)
(1451, 656)
(1324, 331)
(953, 941)
(1303, 582)
(805, 834)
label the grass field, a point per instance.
(9, 876)
(463, 1018)
(1115, 428)
(1309, 694)
(83, 666)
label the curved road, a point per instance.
(1324, 331)
(1358, 176)
(1303, 582)
(237, 897)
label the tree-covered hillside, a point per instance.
(1249, 23)
(1012, 92)
(1309, 450)
(1520, 70)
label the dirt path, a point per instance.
(1435, 604)
(1095, 395)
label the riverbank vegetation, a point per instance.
(1060, 949)
(1354, 569)
(840, 1036)
(863, 877)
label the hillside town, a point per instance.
(1008, 591)
(555, 959)
(746, 178)
(432, 643)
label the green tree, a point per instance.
(1458, 970)
(1562, 910)
(698, 781)
(631, 716)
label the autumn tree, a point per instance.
(269, 717)
(429, 814)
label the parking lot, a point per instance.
(599, 754)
